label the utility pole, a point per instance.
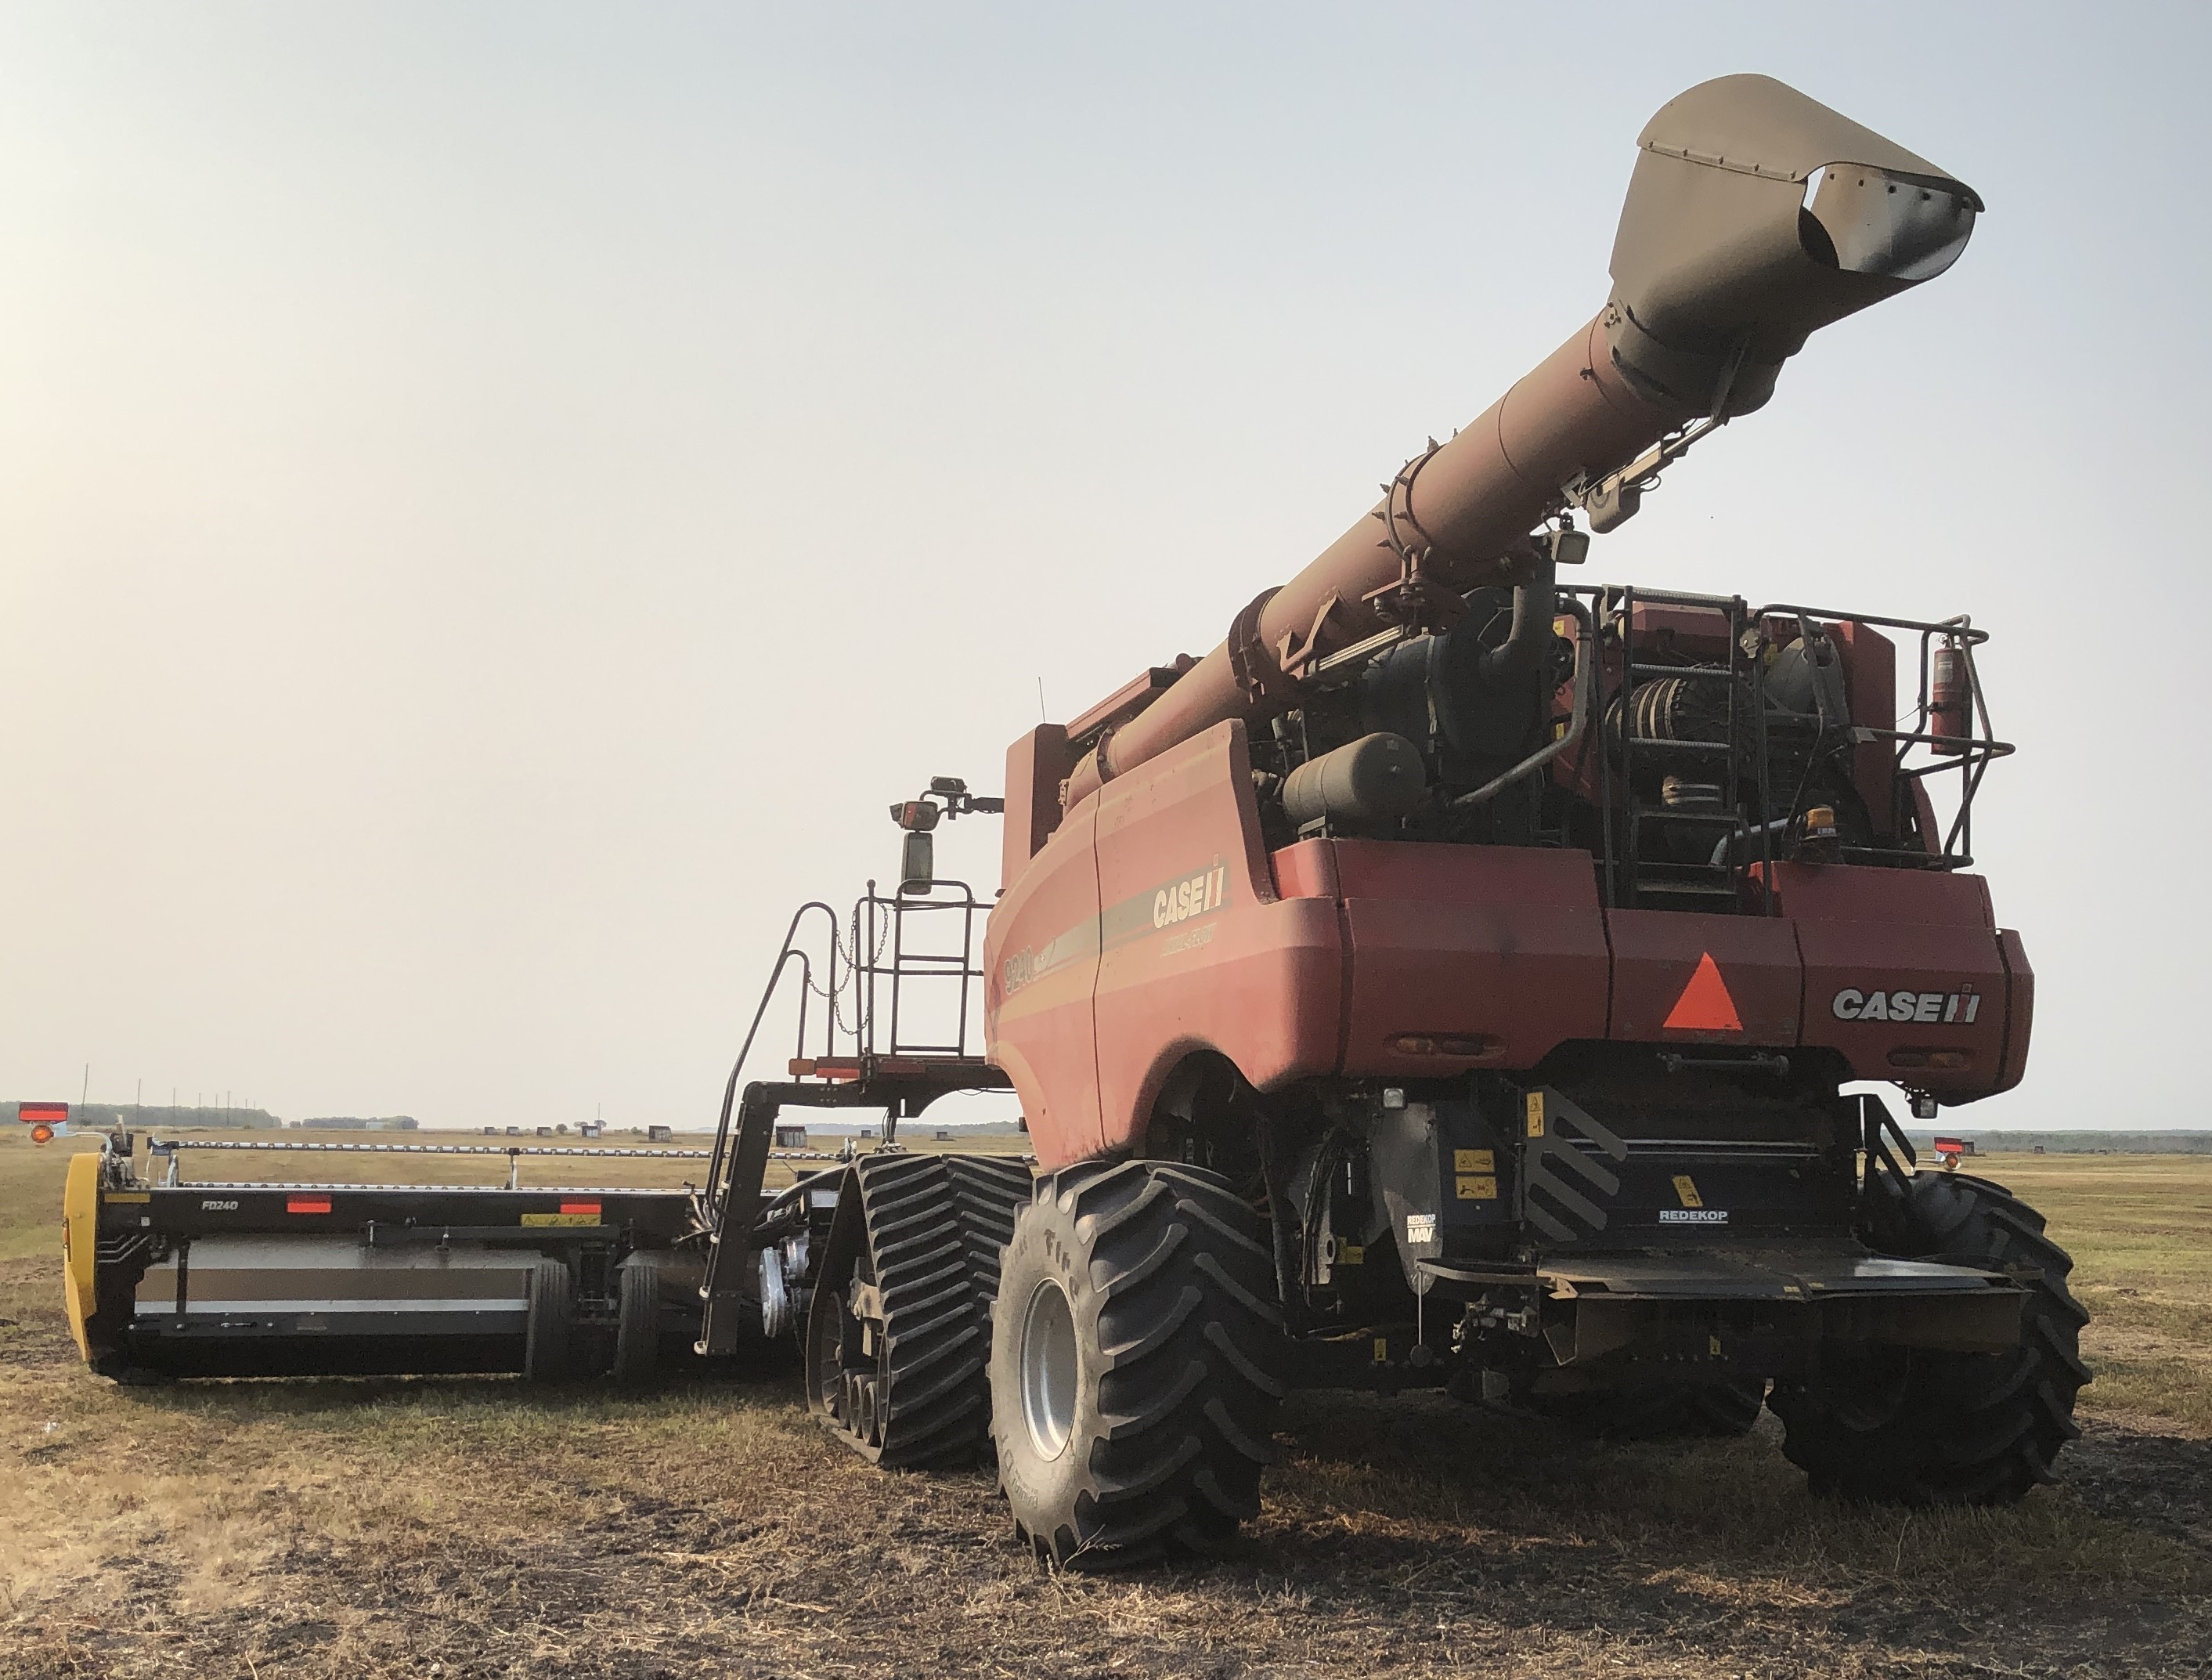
(85, 1095)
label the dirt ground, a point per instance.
(479, 1528)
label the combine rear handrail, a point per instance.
(718, 1156)
(857, 973)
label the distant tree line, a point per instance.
(152, 1116)
(2072, 1143)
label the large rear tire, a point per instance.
(1911, 1426)
(1136, 1346)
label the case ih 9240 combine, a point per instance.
(1450, 979)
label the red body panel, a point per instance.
(1036, 766)
(1468, 956)
(1188, 948)
(1152, 925)
(1869, 661)
(1656, 954)
(1038, 1011)
(1197, 951)
(2020, 1009)
(1910, 937)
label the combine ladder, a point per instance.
(872, 1055)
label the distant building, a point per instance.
(591, 1128)
(944, 1137)
(658, 1134)
(791, 1137)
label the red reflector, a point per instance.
(1445, 1043)
(591, 1207)
(307, 1204)
(51, 1113)
(1704, 1005)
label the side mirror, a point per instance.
(917, 860)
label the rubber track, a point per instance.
(1963, 1428)
(988, 1192)
(1189, 1331)
(934, 1226)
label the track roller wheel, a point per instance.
(898, 1336)
(637, 1319)
(1137, 1343)
(549, 1348)
(1658, 1411)
(1913, 1427)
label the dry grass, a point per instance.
(475, 1527)
(2140, 1230)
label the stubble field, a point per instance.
(475, 1527)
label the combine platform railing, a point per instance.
(898, 987)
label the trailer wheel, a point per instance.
(1136, 1346)
(1913, 1427)
(550, 1334)
(899, 1331)
(637, 1318)
(1658, 1411)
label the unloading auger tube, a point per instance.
(1754, 216)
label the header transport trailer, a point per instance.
(1454, 977)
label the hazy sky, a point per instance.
(496, 500)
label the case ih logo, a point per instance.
(1960, 1007)
(1192, 896)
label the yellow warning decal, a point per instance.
(560, 1219)
(1351, 1254)
(1686, 1188)
(1714, 1343)
(1474, 1161)
(1478, 1189)
(1381, 1350)
(126, 1195)
(1535, 1114)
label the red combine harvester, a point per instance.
(1453, 978)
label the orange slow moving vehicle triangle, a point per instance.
(1704, 1005)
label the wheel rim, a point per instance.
(1049, 1369)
